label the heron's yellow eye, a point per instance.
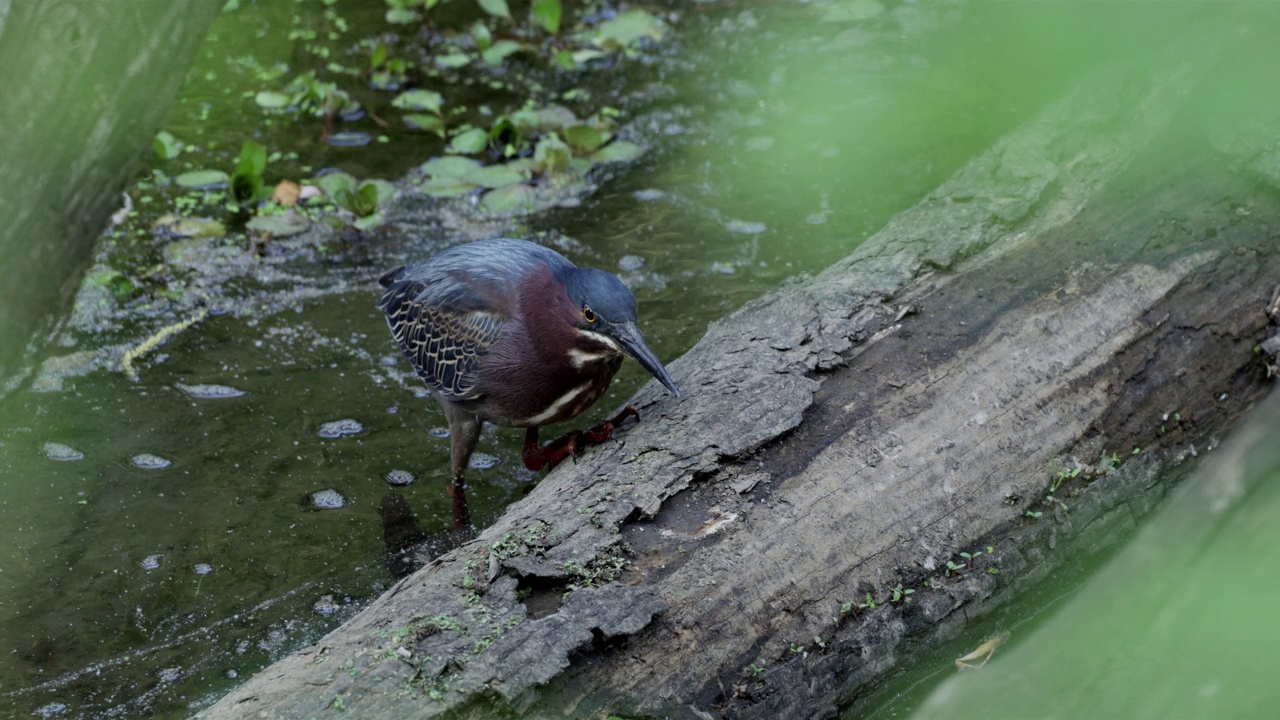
(588, 314)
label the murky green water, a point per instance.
(780, 141)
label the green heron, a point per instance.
(510, 332)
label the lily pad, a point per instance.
(279, 225)
(272, 100)
(449, 166)
(203, 179)
(496, 8)
(469, 141)
(510, 198)
(496, 176)
(585, 138)
(627, 28)
(198, 228)
(547, 14)
(499, 51)
(331, 183)
(423, 100)
(446, 187)
(453, 60)
(423, 121)
(166, 146)
(618, 151)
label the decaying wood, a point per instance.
(851, 433)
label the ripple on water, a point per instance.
(58, 451)
(483, 461)
(329, 499)
(400, 477)
(151, 562)
(338, 428)
(209, 392)
(147, 461)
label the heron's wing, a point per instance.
(444, 338)
(447, 311)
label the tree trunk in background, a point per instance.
(1096, 283)
(86, 86)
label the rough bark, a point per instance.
(854, 432)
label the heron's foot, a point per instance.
(571, 444)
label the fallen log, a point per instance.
(1047, 311)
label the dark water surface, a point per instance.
(781, 136)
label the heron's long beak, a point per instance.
(628, 335)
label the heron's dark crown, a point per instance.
(602, 291)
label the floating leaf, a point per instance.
(286, 192)
(370, 221)
(454, 59)
(422, 100)
(500, 50)
(272, 100)
(496, 176)
(482, 35)
(469, 141)
(203, 179)
(547, 14)
(290, 223)
(552, 155)
(401, 16)
(496, 8)
(331, 183)
(555, 117)
(378, 56)
(449, 166)
(627, 28)
(166, 146)
(198, 228)
(384, 190)
(618, 151)
(446, 187)
(585, 138)
(509, 198)
(423, 121)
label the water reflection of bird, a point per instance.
(512, 333)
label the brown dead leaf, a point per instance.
(286, 193)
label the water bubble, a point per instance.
(327, 499)
(151, 562)
(338, 428)
(209, 392)
(233, 674)
(400, 477)
(202, 568)
(483, 461)
(326, 605)
(439, 432)
(170, 674)
(629, 263)
(58, 451)
(147, 461)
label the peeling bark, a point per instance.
(852, 433)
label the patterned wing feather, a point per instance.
(444, 344)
